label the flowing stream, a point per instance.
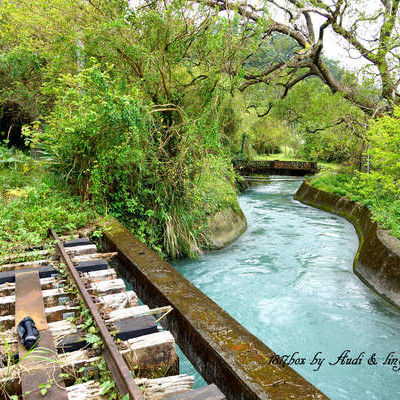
(289, 281)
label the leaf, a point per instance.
(106, 386)
(91, 338)
(92, 329)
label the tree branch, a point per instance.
(270, 105)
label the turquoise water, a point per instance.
(289, 281)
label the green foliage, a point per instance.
(137, 107)
(335, 183)
(104, 140)
(229, 124)
(329, 126)
(32, 201)
(308, 120)
(130, 103)
(134, 138)
(279, 48)
(379, 190)
(369, 190)
(20, 80)
(95, 132)
(384, 146)
(271, 136)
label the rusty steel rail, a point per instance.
(115, 362)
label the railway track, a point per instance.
(94, 340)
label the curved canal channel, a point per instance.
(289, 281)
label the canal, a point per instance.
(289, 281)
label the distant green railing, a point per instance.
(276, 167)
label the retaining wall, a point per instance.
(377, 262)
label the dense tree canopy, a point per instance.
(369, 28)
(141, 105)
(128, 100)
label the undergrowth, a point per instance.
(32, 200)
(367, 189)
(161, 177)
(379, 189)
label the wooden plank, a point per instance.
(38, 366)
(124, 329)
(38, 263)
(26, 264)
(41, 367)
(106, 287)
(88, 390)
(144, 355)
(153, 389)
(77, 242)
(92, 265)
(45, 271)
(8, 288)
(117, 301)
(58, 329)
(28, 254)
(52, 314)
(137, 312)
(164, 388)
(102, 284)
(150, 352)
(124, 313)
(50, 299)
(134, 327)
(98, 276)
(29, 300)
(80, 250)
(93, 256)
(106, 304)
(210, 392)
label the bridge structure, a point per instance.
(276, 167)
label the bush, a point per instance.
(138, 165)
(32, 201)
(380, 189)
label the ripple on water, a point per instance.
(289, 280)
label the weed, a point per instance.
(32, 200)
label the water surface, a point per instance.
(289, 281)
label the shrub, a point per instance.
(104, 139)
(32, 201)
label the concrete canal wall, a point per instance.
(377, 262)
(222, 350)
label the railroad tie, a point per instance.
(210, 392)
(40, 370)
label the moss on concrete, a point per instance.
(377, 262)
(226, 226)
(221, 349)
